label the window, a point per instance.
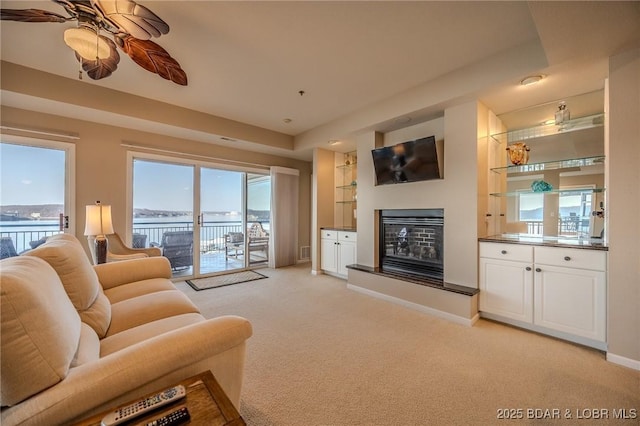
(36, 191)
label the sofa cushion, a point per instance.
(88, 348)
(150, 307)
(138, 288)
(66, 255)
(143, 332)
(40, 328)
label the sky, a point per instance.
(30, 175)
(162, 186)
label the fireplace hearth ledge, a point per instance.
(452, 302)
(416, 279)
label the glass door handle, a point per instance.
(64, 222)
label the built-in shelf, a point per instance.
(551, 165)
(347, 166)
(345, 189)
(542, 130)
(553, 191)
(350, 186)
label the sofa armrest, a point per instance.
(118, 273)
(100, 383)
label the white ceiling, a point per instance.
(247, 61)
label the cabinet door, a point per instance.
(506, 289)
(571, 300)
(328, 254)
(346, 256)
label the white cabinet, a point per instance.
(570, 292)
(337, 250)
(346, 251)
(553, 290)
(328, 251)
(506, 282)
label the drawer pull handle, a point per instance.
(503, 252)
(567, 258)
(528, 268)
(538, 270)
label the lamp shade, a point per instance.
(86, 43)
(98, 220)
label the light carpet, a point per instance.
(224, 280)
(325, 355)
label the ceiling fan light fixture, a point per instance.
(87, 43)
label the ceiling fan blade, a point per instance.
(101, 68)
(154, 58)
(132, 18)
(31, 15)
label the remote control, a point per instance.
(128, 412)
(174, 418)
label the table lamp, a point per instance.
(98, 225)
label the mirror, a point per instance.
(559, 192)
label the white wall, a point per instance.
(623, 207)
(456, 193)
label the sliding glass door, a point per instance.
(163, 211)
(229, 229)
(222, 220)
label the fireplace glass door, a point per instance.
(412, 242)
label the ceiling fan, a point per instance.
(130, 25)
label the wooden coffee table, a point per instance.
(206, 401)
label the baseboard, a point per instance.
(625, 362)
(584, 341)
(425, 309)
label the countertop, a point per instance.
(580, 243)
(337, 228)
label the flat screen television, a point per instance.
(411, 161)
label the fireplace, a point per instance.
(411, 242)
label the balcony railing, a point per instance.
(212, 234)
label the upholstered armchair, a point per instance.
(118, 250)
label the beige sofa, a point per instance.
(78, 339)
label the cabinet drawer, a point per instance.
(347, 236)
(329, 233)
(502, 251)
(572, 258)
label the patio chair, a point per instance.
(258, 242)
(234, 244)
(118, 250)
(177, 246)
(7, 249)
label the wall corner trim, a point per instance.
(625, 362)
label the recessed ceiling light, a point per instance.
(532, 79)
(287, 120)
(401, 120)
(333, 142)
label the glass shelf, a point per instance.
(347, 187)
(551, 165)
(542, 130)
(553, 191)
(346, 166)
